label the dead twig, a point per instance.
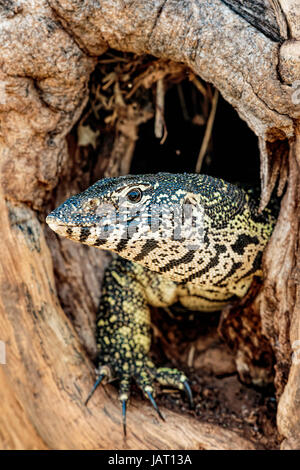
(159, 109)
(199, 86)
(208, 131)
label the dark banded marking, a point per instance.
(242, 242)
(232, 271)
(122, 244)
(84, 234)
(149, 246)
(213, 262)
(100, 241)
(256, 265)
(69, 231)
(124, 239)
(186, 259)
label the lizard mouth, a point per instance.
(70, 230)
(58, 226)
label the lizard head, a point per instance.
(156, 220)
(131, 208)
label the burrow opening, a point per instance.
(117, 125)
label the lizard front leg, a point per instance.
(124, 337)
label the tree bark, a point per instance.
(48, 51)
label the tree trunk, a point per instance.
(50, 288)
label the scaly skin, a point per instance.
(185, 238)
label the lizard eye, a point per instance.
(134, 195)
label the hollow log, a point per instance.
(50, 288)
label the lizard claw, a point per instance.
(124, 416)
(153, 402)
(103, 371)
(95, 386)
(189, 394)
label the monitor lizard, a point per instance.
(185, 238)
